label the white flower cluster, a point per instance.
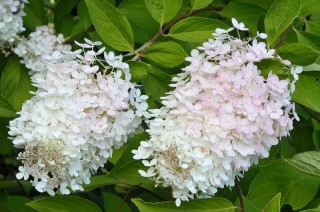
(11, 12)
(220, 119)
(84, 107)
(40, 43)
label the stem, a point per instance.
(161, 32)
(239, 194)
(310, 113)
(283, 36)
(124, 198)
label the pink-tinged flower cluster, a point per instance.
(222, 116)
(11, 23)
(84, 106)
(40, 43)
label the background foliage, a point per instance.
(155, 36)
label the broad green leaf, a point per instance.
(35, 14)
(302, 131)
(309, 7)
(3, 202)
(63, 21)
(248, 205)
(136, 12)
(195, 29)
(287, 148)
(84, 19)
(126, 169)
(209, 205)
(298, 53)
(6, 110)
(308, 162)
(280, 177)
(307, 92)
(5, 144)
(273, 205)
(18, 203)
(268, 65)
(116, 154)
(138, 70)
(279, 17)
(266, 4)
(154, 87)
(111, 25)
(198, 4)
(112, 201)
(167, 54)
(15, 84)
(63, 203)
(316, 134)
(313, 27)
(247, 13)
(100, 181)
(163, 10)
(309, 39)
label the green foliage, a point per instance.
(167, 54)
(298, 53)
(210, 205)
(163, 10)
(63, 203)
(198, 4)
(280, 177)
(195, 29)
(308, 162)
(155, 37)
(307, 92)
(279, 17)
(111, 25)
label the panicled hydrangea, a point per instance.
(222, 116)
(11, 12)
(85, 106)
(40, 43)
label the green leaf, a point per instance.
(155, 87)
(298, 53)
(126, 169)
(268, 65)
(137, 13)
(266, 4)
(198, 4)
(248, 205)
(15, 84)
(18, 203)
(62, 17)
(302, 131)
(167, 54)
(309, 7)
(274, 204)
(138, 70)
(209, 205)
(313, 27)
(116, 154)
(6, 110)
(279, 17)
(280, 177)
(64, 203)
(195, 29)
(316, 134)
(84, 19)
(308, 162)
(309, 39)
(112, 201)
(100, 181)
(307, 92)
(111, 25)
(163, 10)
(35, 14)
(247, 13)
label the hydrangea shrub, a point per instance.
(143, 105)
